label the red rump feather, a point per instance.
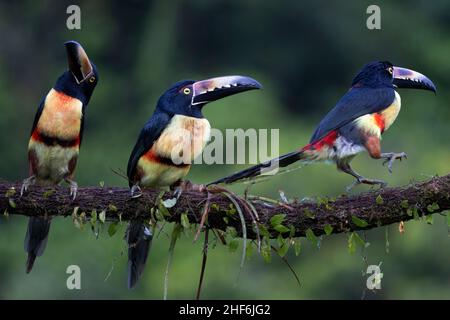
(328, 140)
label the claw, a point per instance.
(26, 183)
(73, 192)
(179, 191)
(391, 157)
(23, 189)
(136, 191)
(73, 188)
(363, 180)
(186, 185)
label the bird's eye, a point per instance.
(186, 91)
(92, 79)
(390, 70)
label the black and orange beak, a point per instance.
(217, 88)
(79, 63)
(406, 78)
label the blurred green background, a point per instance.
(305, 53)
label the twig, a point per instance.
(202, 272)
(285, 260)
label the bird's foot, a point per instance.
(362, 180)
(135, 191)
(186, 185)
(391, 157)
(26, 184)
(73, 188)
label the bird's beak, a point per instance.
(406, 78)
(78, 61)
(216, 88)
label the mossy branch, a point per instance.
(344, 214)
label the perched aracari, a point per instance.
(354, 125)
(56, 138)
(157, 160)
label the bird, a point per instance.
(354, 125)
(171, 139)
(56, 137)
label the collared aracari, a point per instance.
(157, 160)
(56, 138)
(354, 125)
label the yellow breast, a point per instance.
(184, 139)
(155, 174)
(369, 123)
(390, 113)
(180, 143)
(61, 116)
(376, 123)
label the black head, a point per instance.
(374, 74)
(81, 78)
(188, 97)
(384, 74)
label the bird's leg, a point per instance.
(73, 187)
(345, 167)
(390, 157)
(135, 191)
(26, 183)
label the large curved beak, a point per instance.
(216, 88)
(406, 78)
(78, 61)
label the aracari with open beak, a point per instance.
(172, 138)
(354, 125)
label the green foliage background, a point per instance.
(305, 53)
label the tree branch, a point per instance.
(376, 208)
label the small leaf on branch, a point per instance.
(312, 238)
(284, 248)
(379, 200)
(266, 251)
(102, 216)
(277, 220)
(10, 192)
(233, 245)
(185, 221)
(169, 203)
(113, 227)
(359, 222)
(49, 193)
(328, 229)
(281, 229)
(297, 246)
(12, 204)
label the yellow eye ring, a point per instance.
(186, 91)
(391, 70)
(91, 79)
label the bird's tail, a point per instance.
(36, 239)
(266, 167)
(139, 239)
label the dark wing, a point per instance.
(149, 134)
(38, 115)
(354, 104)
